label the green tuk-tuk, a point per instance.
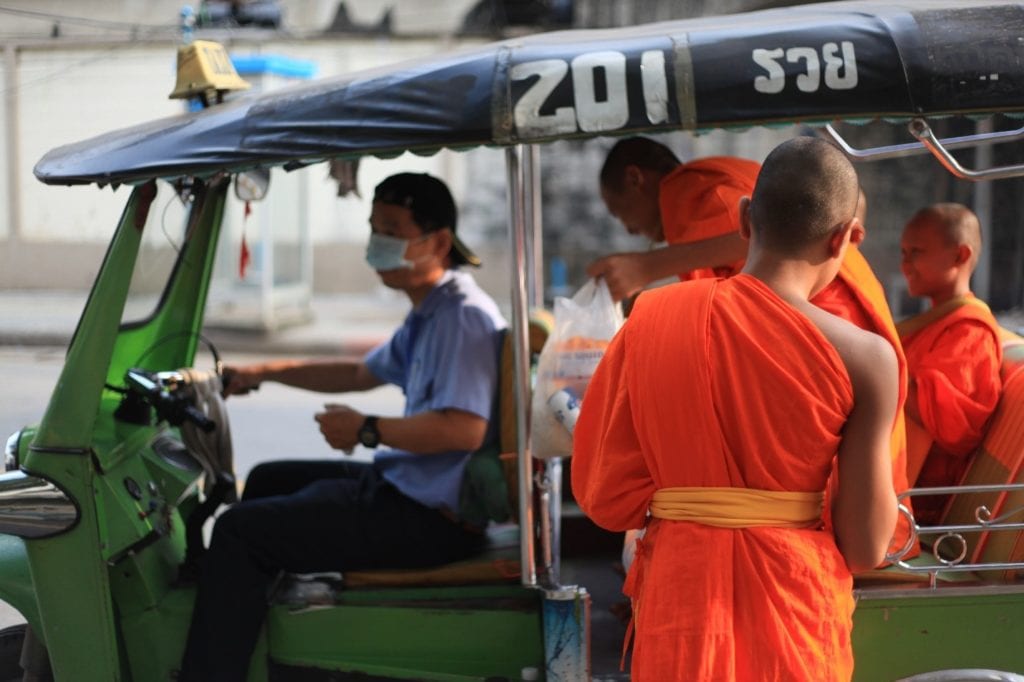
(105, 497)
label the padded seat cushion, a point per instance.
(499, 562)
(998, 461)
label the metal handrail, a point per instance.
(984, 523)
(895, 151)
(920, 129)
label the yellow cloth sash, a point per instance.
(914, 324)
(738, 507)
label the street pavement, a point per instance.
(341, 323)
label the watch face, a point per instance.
(368, 434)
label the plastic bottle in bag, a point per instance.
(565, 405)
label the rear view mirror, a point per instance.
(251, 185)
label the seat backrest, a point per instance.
(489, 482)
(998, 461)
(540, 325)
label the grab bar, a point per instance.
(895, 151)
(920, 129)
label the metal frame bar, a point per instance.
(887, 592)
(521, 354)
(984, 524)
(549, 482)
(535, 224)
(896, 151)
(920, 129)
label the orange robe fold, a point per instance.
(857, 296)
(700, 200)
(954, 363)
(719, 383)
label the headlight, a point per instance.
(11, 452)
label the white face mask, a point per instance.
(387, 253)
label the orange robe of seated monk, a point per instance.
(954, 361)
(856, 295)
(700, 200)
(720, 383)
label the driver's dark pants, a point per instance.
(303, 517)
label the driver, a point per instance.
(401, 510)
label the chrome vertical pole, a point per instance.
(553, 483)
(534, 204)
(550, 488)
(982, 279)
(521, 355)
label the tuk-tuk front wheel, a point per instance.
(12, 643)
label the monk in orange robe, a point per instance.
(736, 578)
(856, 295)
(693, 206)
(953, 350)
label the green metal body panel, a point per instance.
(77, 612)
(154, 637)
(168, 340)
(16, 586)
(120, 559)
(446, 633)
(898, 632)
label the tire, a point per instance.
(11, 640)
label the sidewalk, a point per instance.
(347, 324)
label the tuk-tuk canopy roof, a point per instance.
(810, 63)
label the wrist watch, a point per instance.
(368, 433)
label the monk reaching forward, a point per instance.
(714, 419)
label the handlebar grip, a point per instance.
(199, 419)
(226, 377)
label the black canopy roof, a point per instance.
(811, 63)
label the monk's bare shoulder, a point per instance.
(869, 359)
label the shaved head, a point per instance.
(862, 206)
(807, 188)
(636, 151)
(955, 222)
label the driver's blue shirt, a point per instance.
(444, 357)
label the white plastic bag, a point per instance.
(583, 327)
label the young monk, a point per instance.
(736, 578)
(693, 206)
(856, 295)
(953, 350)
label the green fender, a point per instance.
(16, 586)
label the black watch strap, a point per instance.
(369, 435)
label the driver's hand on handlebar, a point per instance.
(625, 273)
(240, 380)
(340, 426)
